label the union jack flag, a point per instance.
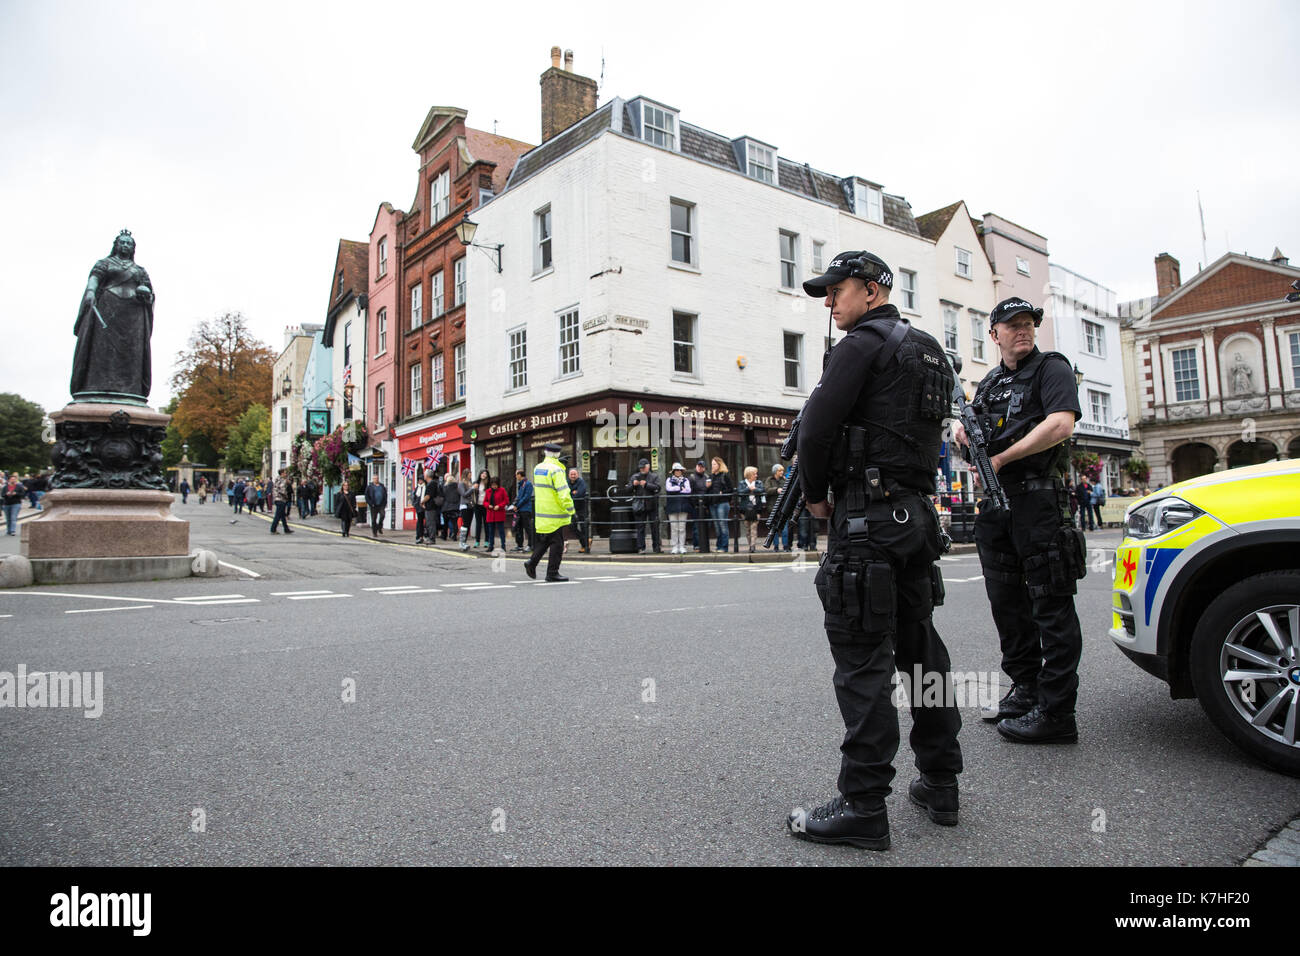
(431, 460)
(347, 375)
(408, 467)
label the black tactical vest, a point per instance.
(1010, 405)
(903, 407)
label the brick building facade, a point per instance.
(1216, 364)
(460, 168)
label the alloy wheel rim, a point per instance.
(1259, 671)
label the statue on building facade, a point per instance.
(1242, 376)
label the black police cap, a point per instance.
(1007, 308)
(848, 265)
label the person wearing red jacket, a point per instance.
(494, 503)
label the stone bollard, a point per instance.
(205, 564)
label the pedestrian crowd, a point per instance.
(705, 510)
(1086, 499)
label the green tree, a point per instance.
(223, 371)
(22, 445)
(247, 437)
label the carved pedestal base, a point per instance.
(105, 523)
(107, 515)
(108, 446)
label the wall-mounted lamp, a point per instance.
(465, 231)
(1078, 377)
(740, 362)
(286, 386)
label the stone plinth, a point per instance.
(105, 523)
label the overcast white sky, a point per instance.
(240, 141)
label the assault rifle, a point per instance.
(977, 450)
(789, 502)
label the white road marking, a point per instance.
(721, 572)
(487, 587)
(6, 615)
(291, 593)
(471, 584)
(701, 607)
(208, 597)
(235, 567)
(537, 583)
(101, 610)
(316, 597)
(395, 587)
(223, 601)
(90, 597)
(414, 591)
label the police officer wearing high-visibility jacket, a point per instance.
(870, 432)
(1032, 556)
(553, 510)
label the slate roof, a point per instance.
(579, 134)
(898, 213)
(716, 150)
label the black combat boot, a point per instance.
(1040, 727)
(940, 802)
(842, 821)
(1020, 700)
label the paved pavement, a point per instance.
(377, 702)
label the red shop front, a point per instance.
(416, 447)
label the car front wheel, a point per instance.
(1245, 664)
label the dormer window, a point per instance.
(867, 201)
(658, 126)
(760, 162)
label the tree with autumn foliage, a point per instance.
(223, 371)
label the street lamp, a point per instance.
(465, 230)
(329, 402)
(286, 386)
(1078, 376)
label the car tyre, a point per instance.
(1231, 640)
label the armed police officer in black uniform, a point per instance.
(871, 431)
(1032, 555)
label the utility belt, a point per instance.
(1033, 484)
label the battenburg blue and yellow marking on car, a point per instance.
(1206, 596)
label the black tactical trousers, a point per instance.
(1029, 575)
(895, 631)
(550, 544)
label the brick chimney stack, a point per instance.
(1167, 275)
(566, 97)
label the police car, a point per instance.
(1207, 598)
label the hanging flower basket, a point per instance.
(356, 436)
(1087, 463)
